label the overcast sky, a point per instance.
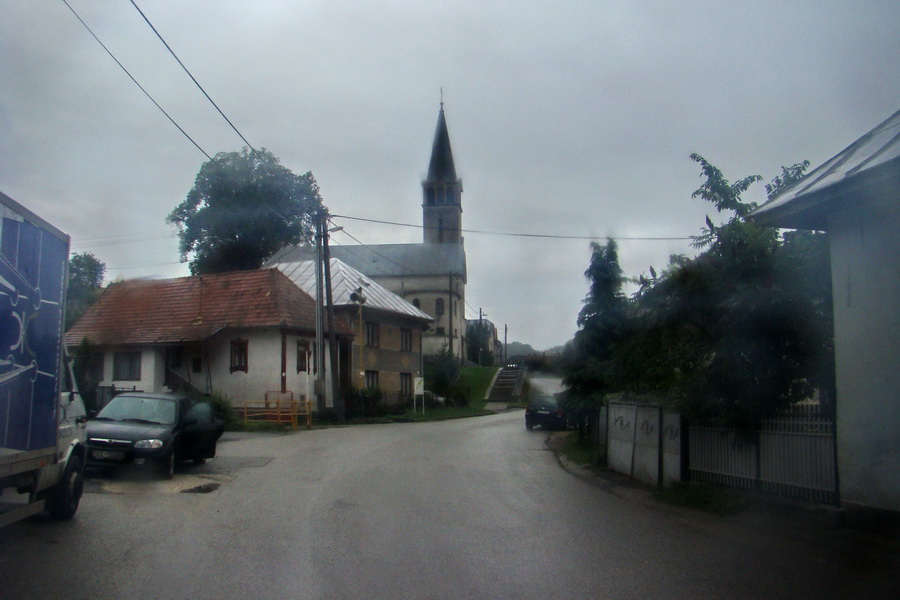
(566, 119)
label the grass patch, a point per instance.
(707, 498)
(580, 450)
(444, 413)
(476, 380)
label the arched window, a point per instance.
(439, 307)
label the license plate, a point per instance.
(543, 412)
(108, 455)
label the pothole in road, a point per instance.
(202, 489)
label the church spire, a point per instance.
(441, 167)
(442, 190)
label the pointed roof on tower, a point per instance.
(441, 167)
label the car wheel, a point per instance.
(167, 466)
(65, 496)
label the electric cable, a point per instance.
(146, 93)
(197, 83)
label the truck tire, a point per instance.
(62, 503)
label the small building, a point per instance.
(239, 334)
(386, 351)
(855, 197)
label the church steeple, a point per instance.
(442, 190)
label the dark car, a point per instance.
(154, 430)
(544, 411)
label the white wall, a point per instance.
(263, 373)
(865, 259)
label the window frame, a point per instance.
(240, 355)
(372, 334)
(371, 379)
(130, 371)
(406, 340)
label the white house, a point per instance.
(855, 197)
(238, 334)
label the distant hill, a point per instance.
(520, 349)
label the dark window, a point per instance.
(440, 230)
(439, 331)
(176, 357)
(239, 355)
(439, 307)
(429, 195)
(202, 411)
(416, 303)
(406, 385)
(372, 334)
(127, 366)
(371, 379)
(406, 340)
(196, 365)
(302, 356)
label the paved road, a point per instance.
(474, 508)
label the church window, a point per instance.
(439, 307)
(440, 230)
(429, 195)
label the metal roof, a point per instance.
(346, 280)
(389, 260)
(872, 161)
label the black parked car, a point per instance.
(544, 411)
(155, 430)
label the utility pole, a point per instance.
(505, 347)
(332, 336)
(320, 338)
(450, 312)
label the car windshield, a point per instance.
(140, 409)
(543, 401)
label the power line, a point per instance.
(511, 234)
(146, 93)
(197, 83)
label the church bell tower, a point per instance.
(442, 192)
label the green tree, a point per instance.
(85, 279)
(243, 208)
(733, 333)
(479, 343)
(588, 363)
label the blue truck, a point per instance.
(42, 417)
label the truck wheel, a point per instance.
(66, 494)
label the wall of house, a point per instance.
(865, 258)
(263, 366)
(263, 372)
(428, 290)
(388, 359)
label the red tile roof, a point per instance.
(191, 309)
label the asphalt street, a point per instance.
(472, 508)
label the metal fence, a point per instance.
(792, 455)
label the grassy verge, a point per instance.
(477, 380)
(703, 497)
(579, 451)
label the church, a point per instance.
(430, 275)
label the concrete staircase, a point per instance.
(508, 384)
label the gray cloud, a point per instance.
(566, 118)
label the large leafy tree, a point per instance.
(243, 208)
(588, 363)
(738, 332)
(86, 273)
